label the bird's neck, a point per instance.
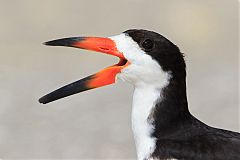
(153, 110)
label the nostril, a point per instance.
(105, 49)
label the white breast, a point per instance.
(144, 100)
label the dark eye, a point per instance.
(147, 44)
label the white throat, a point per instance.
(144, 100)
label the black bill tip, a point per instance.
(64, 41)
(43, 100)
(65, 91)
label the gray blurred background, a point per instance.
(96, 124)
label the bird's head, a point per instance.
(146, 58)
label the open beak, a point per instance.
(104, 77)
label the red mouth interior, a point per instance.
(122, 62)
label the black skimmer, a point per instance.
(162, 125)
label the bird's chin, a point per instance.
(127, 75)
(124, 77)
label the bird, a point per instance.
(162, 124)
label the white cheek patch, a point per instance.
(130, 49)
(143, 69)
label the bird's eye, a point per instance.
(147, 44)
